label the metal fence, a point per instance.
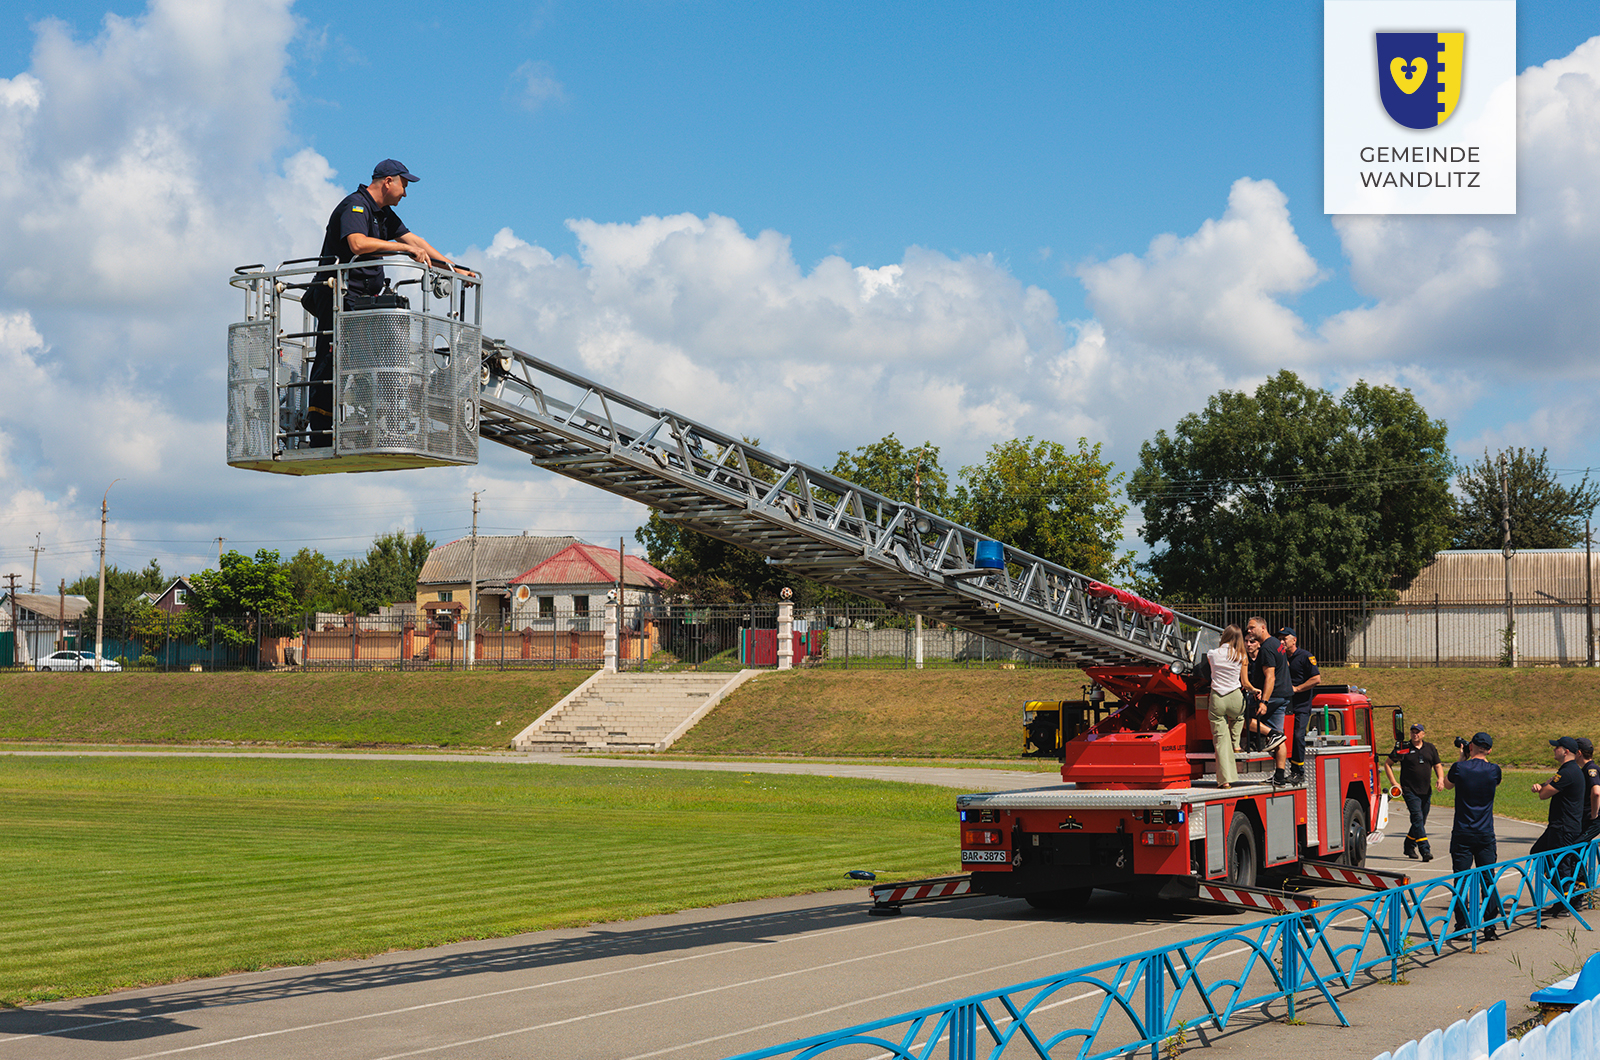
(687, 635)
(1143, 1001)
(1360, 632)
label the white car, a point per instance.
(76, 660)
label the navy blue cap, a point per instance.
(1586, 745)
(1483, 740)
(1567, 742)
(1418, 727)
(1287, 631)
(390, 168)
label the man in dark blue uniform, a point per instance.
(1304, 677)
(1472, 837)
(363, 225)
(1566, 793)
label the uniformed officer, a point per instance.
(1304, 677)
(1417, 759)
(1472, 836)
(363, 225)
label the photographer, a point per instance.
(1472, 834)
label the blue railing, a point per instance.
(1145, 999)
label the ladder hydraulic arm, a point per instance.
(816, 524)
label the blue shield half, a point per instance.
(1419, 76)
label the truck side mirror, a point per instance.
(1399, 725)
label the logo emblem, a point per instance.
(1070, 824)
(1419, 76)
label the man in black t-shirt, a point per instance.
(1269, 676)
(1472, 835)
(1566, 792)
(1417, 759)
(1304, 677)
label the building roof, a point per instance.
(583, 564)
(47, 606)
(1476, 576)
(499, 558)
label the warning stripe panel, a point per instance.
(1369, 879)
(921, 891)
(1250, 898)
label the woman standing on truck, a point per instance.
(1227, 661)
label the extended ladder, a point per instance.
(814, 523)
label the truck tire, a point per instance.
(1355, 834)
(1243, 851)
(1068, 901)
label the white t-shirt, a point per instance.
(1224, 670)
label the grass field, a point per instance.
(339, 709)
(935, 714)
(121, 872)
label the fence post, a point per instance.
(1436, 630)
(610, 665)
(1154, 1004)
(1364, 630)
(1393, 932)
(785, 635)
(964, 1033)
(1291, 966)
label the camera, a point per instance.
(1461, 743)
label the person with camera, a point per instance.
(1417, 759)
(1472, 833)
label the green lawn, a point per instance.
(121, 872)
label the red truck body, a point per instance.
(1139, 809)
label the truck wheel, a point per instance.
(1355, 834)
(1068, 901)
(1242, 851)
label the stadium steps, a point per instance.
(627, 712)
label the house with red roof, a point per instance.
(572, 584)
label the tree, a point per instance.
(888, 467)
(240, 594)
(389, 572)
(1045, 499)
(1544, 513)
(319, 584)
(1289, 492)
(123, 589)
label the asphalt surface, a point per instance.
(715, 982)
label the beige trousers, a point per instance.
(1227, 725)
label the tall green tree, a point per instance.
(318, 583)
(1289, 491)
(1544, 513)
(1057, 503)
(240, 594)
(888, 467)
(389, 571)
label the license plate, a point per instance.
(985, 855)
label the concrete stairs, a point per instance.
(628, 712)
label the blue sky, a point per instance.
(1030, 153)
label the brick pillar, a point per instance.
(785, 635)
(611, 637)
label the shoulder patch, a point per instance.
(358, 209)
(1313, 660)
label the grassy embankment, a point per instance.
(126, 871)
(935, 714)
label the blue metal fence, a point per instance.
(1144, 999)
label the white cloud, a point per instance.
(1215, 291)
(533, 86)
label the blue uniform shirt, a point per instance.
(359, 214)
(1475, 780)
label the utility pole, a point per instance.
(61, 617)
(472, 593)
(1588, 583)
(35, 548)
(220, 540)
(916, 502)
(100, 608)
(1506, 552)
(15, 632)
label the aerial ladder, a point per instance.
(419, 387)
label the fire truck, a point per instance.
(1137, 809)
